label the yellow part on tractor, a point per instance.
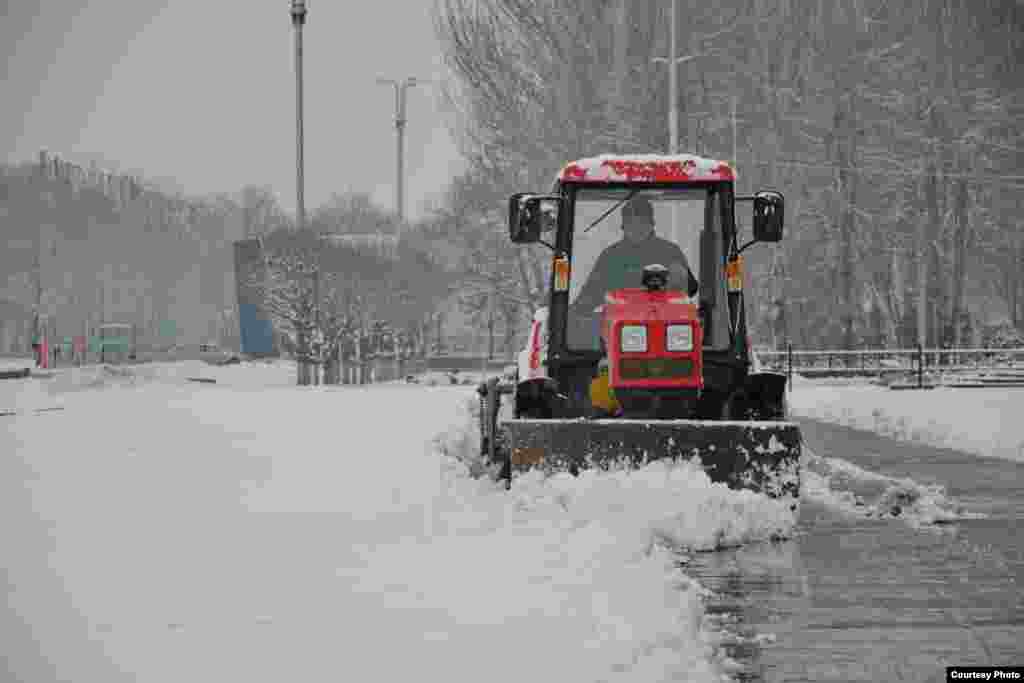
(602, 395)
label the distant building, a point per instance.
(256, 331)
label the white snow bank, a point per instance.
(578, 573)
(981, 421)
(249, 374)
(855, 491)
(254, 374)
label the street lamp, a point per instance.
(298, 14)
(673, 103)
(400, 88)
(673, 97)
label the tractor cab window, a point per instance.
(616, 232)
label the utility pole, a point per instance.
(735, 160)
(298, 14)
(400, 120)
(691, 119)
(492, 297)
(103, 315)
(673, 85)
(38, 308)
(673, 106)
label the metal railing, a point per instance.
(878, 362)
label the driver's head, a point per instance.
(637, 219)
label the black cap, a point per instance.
(638, 206)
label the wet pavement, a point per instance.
(869, 588)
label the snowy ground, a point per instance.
(983, 421)
(15, 363)
(979, 421)
(158, 529)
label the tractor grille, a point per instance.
(655, 368)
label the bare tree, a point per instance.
(353, 213)
(884, 123)
(287, 289)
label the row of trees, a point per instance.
(82, 250)
(339, 296)
(893, 128)
(84, 247)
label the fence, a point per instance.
(385, 369)
(899, 362)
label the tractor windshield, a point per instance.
(641, 227)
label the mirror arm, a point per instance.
(549, 246)
(744, 198)
(751, 242)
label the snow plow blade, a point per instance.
(759, 456)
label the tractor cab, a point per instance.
(642, 353)
(673, 345)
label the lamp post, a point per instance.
(298, 14)
(400, 119)
(673, 102)
(673, 93)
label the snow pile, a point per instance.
(582, 572)
(579, 572)
(249, 374)
(980, 421)
(680, 505)
(844, 486)
(579, 575)
(104, 376)
(672, 504)
(575, 598)
(434, 378)
(254, 374)
(460, 441)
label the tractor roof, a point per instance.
(645, 168)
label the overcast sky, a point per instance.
(203, 93)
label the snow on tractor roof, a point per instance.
(651, 168)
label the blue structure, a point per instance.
(255, 328)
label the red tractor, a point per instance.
(642, 352)
(652, 338)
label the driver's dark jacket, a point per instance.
(621, 265)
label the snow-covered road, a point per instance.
(157, 529)
(161, 530)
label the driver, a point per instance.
(621, 264)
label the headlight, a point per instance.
(680, 338)
(633, 338)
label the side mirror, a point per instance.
(769, 214)
(529, 215)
